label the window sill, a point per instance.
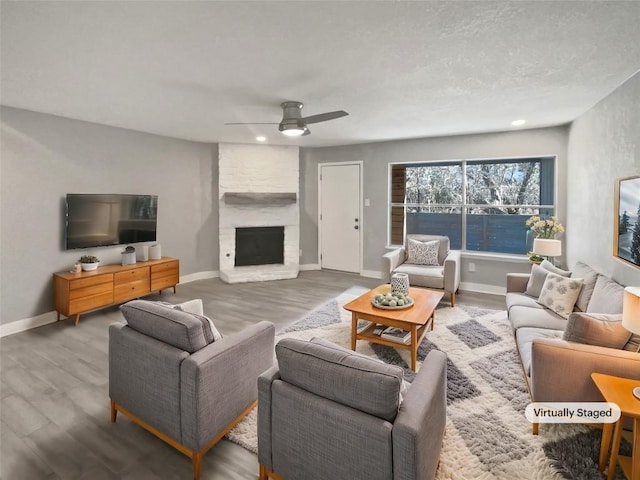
(502, 257)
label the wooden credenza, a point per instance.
(77, 293)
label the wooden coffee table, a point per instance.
(415, 319)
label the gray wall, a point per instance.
(376, 158)
(604, 144)
(44, 157)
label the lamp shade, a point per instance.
(631, 309)
(547, 247)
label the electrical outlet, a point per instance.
(367, 202)
(472, 267)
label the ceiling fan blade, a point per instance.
(323, 117)
(252, 123)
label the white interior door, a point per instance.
(340, 222)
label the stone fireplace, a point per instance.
(258, 191)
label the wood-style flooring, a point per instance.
(54, 386)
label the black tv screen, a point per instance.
(98, 220)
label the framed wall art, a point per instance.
(626, 230)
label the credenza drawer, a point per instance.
(127, 291)
(132, 275)
(92, 280)
(76, 292)
(164, 269)
(165, 275)
(84, 304)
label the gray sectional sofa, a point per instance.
(559, 351)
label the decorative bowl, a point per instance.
(392, 300)
(87, 267)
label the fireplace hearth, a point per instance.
(259, 246)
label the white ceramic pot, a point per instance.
(87, 267)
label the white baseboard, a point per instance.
(27, 324)
(310, 266)
(483, 288)
(371, 274)
(192, 277)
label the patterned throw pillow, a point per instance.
(423, 253)
(560, 293)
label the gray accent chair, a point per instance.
(444, 276)
(175, 381)
(328, 412)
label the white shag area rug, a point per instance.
(487, 435)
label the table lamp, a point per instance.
(547, 247)
(631, 317)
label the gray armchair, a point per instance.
(170, 375)
(328, 412)
(443, 276)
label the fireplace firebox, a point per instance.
(259, 246)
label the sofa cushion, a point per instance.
(560, 293)
(423, 275)
(539, 275)
(550, 267)
(521, 317)
(524, 340)
(589, 277)
(182, 330)
(607, 296)
(521, 299)
(342, 376)
(423, 253)
(597, 329)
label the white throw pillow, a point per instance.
(560, 293)
(194, 307)
(423, 253)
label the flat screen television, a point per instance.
(98, 220)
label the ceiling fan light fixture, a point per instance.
(293, 131)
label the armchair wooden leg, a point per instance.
(114, 412)
(263, 473)
(196, 460)
(453, 299)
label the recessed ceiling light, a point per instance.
(261, 138)
(517, 123)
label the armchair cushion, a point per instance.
(183, 330)
(423, 253)
(342, 376)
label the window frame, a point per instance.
(552, 209)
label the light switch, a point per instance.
(367, 202)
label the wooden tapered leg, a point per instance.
(197, 460)
(534, 428)
(114, 412)
(453, 299)
(77, 318)
(263, 473)
(607, 431)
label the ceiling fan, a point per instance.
(293, 124)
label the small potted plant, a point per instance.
(535, 258)
(89, 262)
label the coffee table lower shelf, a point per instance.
(417, 334)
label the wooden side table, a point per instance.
(619, 391)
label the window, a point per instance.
(481, 205)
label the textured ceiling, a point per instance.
(401, 69)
